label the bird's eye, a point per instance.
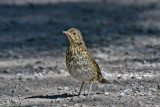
(74, 33)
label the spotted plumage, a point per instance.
(80, 63)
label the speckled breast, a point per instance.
(79, 64)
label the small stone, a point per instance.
(13, 91)
(61, 71)
(66, 88)
(134, 88)
(75, 98)
(141, 93)
(27, 88)
(77, 105)
(18, 71)
(85, 92)
(40, 75)
(58, 100)
(152, 89)
(84, 105)
(14, 101)
(6, 71)
(101, 86)
(128, 91)
(153, 96)
(81, 96)
(112, 106)
(148, 102)
(60, 88)
(64, 105)
(28, 66)
(140, 103)
(149, 93)
(106, 93)
(38, 62)
(41, 67)
(93, 97)
(121, 95)
(50, 72)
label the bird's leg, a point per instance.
(91, 82)
(81, 88)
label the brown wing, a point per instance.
(95, 64)
(84, 48)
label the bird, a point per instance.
(79, 62)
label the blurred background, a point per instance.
(37, 25)
(122, 35)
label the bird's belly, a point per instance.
(80, 72)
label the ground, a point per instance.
(123, 37)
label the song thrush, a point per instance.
(80, 63)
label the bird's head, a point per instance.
(74, 36)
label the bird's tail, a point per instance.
(102, 80)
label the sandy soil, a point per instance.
(123, 36)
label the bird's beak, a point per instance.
(68, 35)
(65, 32)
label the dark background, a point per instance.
(37, 25)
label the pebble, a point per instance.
(58, 100)
(27, 88)
(66, 88)
(106, 93)
(81, 96)
(61, 71)
(21, 77)
(76, 98)
(153, 96)
(50, 72)
(38, 62)
(134, 88)
(128, 91)
(77, 105)
(27, 65)
(85, 92)
(140, 103)
(149, 93)
(64, 105)
(121, 95)
(84, 105)
(41, 67)
(141, 93)
(101, 86)
(40, 75)
(112, 106)
(13, 91)
(60, 88)
(152, 89)
(14, 101)
(93, 97)
(6, 71)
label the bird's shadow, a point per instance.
(53, 96)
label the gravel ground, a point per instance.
(122, 36)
